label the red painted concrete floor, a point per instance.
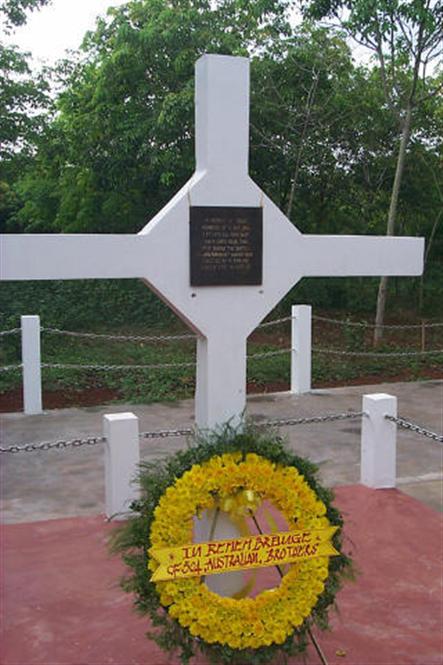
(62, 604)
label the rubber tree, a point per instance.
(405, 38)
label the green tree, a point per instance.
(22, 101)
(405, 38)
(322, 141)
(14, 12)
(125, 117)
(299, 98)
(23, 107)
(320, 134)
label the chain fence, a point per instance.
(413, 427)
(139, 338)
(189, 336)
(327, 418)
(11, 368)
(268, 324)
(377, 354)
(168, 433)
(50, 445)
(275, 322)
(13, 331)
(121, 338)
(183, 432)
(267, 354)
(365, 324)
(254, 356)
(111, 368)
(107, 367)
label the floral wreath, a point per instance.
(234, 471)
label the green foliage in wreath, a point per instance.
(132, 540)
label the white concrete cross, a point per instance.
(222, 316)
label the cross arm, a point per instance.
(64, 256)
(361, 256)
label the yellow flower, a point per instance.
(238, 486)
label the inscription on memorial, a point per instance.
(226, 246)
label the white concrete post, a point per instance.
(122, 457)
(378, 441)
(32, 380)
(301, 331)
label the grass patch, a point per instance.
(178, 382)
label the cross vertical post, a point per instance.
(221, 380)
(222, 115)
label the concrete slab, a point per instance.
(62, 604)
(62, 483)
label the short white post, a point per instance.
(378, 441)
(301, 316)
(31, 363)
(122, 457)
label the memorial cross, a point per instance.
(237, 277)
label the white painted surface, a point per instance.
(69, 256)
(301, 333)
(327, 256)
(160, 254)
(32, 382)
(221, 379)
(222, 128)
(122, 457)
(378, 441)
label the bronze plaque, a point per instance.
(226, 246)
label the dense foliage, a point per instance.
(117, 141)
(405, 39)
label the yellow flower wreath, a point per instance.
(273, 614)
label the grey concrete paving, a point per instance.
(61, 483)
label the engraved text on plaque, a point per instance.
(226, 246)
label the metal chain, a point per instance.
(275, 322)
(49, 445)
(120, 338)
(13, 331)
(405, 424)
(117, 367)
(162, 338)
(358, 324)
(329, 417)
(375, 354)
(268, 354)
(282, 422)
(163, 434)
(135, 338)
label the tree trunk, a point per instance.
(427, 252)
(383, 285)
(308, 110)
